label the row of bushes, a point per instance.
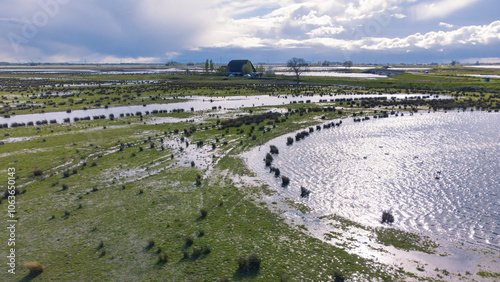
(248, 120)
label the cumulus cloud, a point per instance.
(142, 31)
(439, 9)
(468, 35)
(325, 31)
(312, 19)
(447, 25)
(364, 8)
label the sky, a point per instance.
(264, 31)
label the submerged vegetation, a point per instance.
(116, 197)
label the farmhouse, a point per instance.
(235, 68)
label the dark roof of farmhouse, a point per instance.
(237, 65)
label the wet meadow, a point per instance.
(167, 195)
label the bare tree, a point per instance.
(347, 64)
(298, 66)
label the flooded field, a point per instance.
(103, 71)
(438, 173)
(195, 104)
(335, 74)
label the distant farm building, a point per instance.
(235, 68)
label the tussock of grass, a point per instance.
(34, 268)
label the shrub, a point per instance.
(253, 262)
(7, 192)
(192, 164)
(66, 173)
(102, 253)
(277, 172)
(387, 217)
(338, 277)
(289, 141)
(269, 159)
(100, 246)
(285, 181)
(162, 258)
(196, 253)
(304, 192)
(93, 164)
(198, 180)
(205, 250)
(242, 264)
(37, 172)
(150, 244)
(188, 241)
(64, 186)
(185, 254)
(201, 233)
(34, 268)
(274, 150)
(204, 213)
(250, 264)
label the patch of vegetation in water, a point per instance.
(486, 274)
(298, 206)
(389, 236)
(235, 164)
(405, 240)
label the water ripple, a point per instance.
(438, 173)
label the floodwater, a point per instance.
(438, 173)
(333, 68)
(485, 66)
(335, 74)
(95, 71)
(481, 75)
(197, 104)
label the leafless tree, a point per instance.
(298, 66)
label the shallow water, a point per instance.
(481, 75)
(335, 74)
(485, 66)
(198, 104)
(438, 173)
(96, 71)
